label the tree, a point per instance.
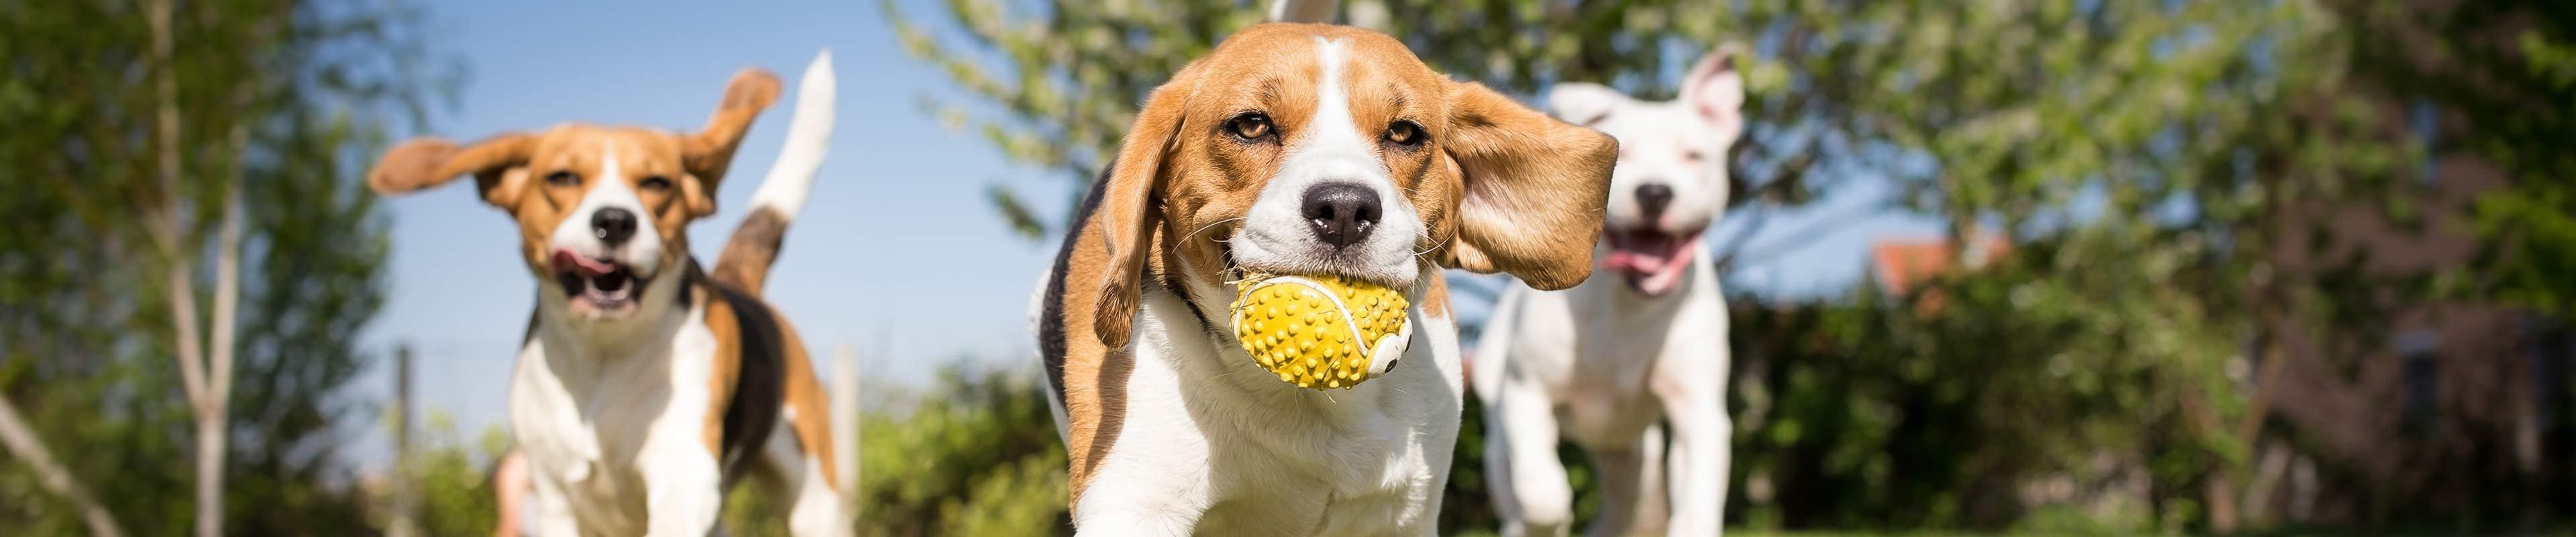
(208, 380)
(2502, 74)
(131, 122)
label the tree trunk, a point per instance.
(22, 444)
(206, 397)
(214, 418)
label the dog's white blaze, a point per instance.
(643, 253)
(1335, 134)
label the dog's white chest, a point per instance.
(1256, 456)
(1346, 462)
(586, 421)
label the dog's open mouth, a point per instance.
(1650, 260)
(600, 286)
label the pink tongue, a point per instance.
(565, 259)
(1652, 263)
(1635, 262)
(1641, 254)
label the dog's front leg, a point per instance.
(552, 511)
(1117, 515)
(684, 489)
(1702, 434)
(1157, 488)
(1527, 480)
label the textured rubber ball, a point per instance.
(1321, 332)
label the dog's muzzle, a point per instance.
(600, 286)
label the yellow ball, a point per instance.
(1320, 332)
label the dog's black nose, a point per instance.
(1342, 213)
(1653, 198)
(612, 225)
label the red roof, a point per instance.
(1902, 264)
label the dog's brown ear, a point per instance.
(1532, 192)
(706, 153)
(1127, 212)
(495, 163)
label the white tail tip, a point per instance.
(809, 135)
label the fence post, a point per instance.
(405, 523)
(845, 423)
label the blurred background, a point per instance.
(2018, 266)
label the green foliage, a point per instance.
(279, 99)
(452, 477)
(2508, 72)
(976, 454)
(148, 492)
(2537, 236)
(1948, 407)
(973, 453)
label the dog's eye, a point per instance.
(563, 178)
(1692, 155)
(1405, 133)
(1249, 126)
(655, 183)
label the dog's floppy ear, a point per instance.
(1583, 103)
(1128, 212)
(1532, 192)
(706, 153)
(497, 164)
(1715, 87)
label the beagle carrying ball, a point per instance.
(1325, 173)
(647, 387)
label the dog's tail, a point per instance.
(745, 262)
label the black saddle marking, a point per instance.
(760, 386)
(1051, 336)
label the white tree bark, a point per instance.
(207, 397)
(215, 418)
(214, 413)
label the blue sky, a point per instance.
(897, 253)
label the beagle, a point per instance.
(646, 386)
(1609, 364)
(1294, 149)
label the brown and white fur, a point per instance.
(647, 387)
(1296, 149)
(1603, 363)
